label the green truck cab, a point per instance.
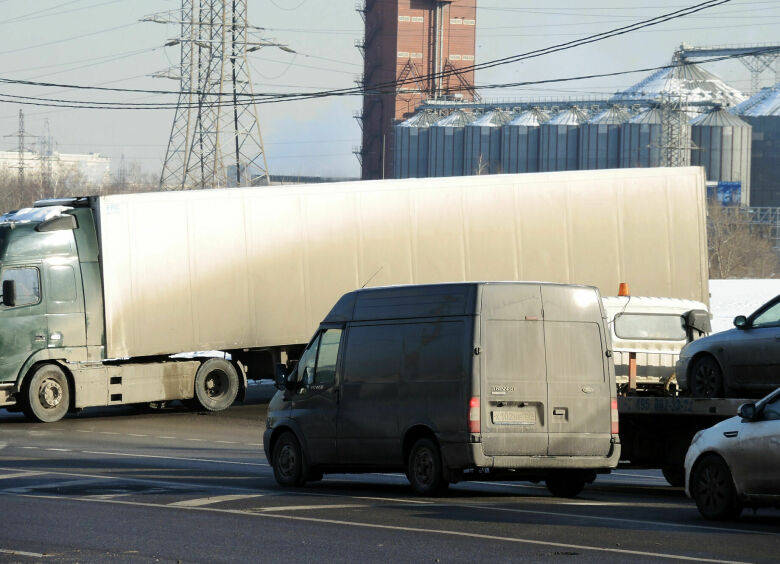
(52, 328)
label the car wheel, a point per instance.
(216, 384)
(712, 488)
(674, 475)
(424, 469)
(46, 396)
(706, 378)
(565, 484)
(289, 468)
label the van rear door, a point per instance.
(578, 374)
(512, 366)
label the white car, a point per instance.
(736, 463)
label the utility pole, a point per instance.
(215, 138)
(46, 156)
(20, 135)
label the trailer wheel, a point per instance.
(424, 469)
(216, 384)
(289, 468)
(712, 488)
(706, 378)
(565, 484)
(46, 394)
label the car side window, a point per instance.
(771, 411)
(27, 283)
(768, 318)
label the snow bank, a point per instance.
(729, 298)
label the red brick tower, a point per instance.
(411, 41)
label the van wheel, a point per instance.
(565, 484)
(46, 394)
(706, 379)
(216, 384)
(712, 488)
(424, 469)
(289, 469)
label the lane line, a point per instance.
(22, 553)
(109, 433)
(211, 500)
(165, 437)
(136, 435)
(59, 449)
(227, 442)
(307, 507)
(127, 454)
(415, 530)
(20, 475)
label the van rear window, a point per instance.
(657, 327)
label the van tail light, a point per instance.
(615, 420)
(474, 415)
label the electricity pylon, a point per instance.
(215, 139)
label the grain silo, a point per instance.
(482, 149)
(722, 146)
(762, 112)
(446, 140)
(520, 142)
(600, 139)
(640, 139)
(412, 146)
(559, 141)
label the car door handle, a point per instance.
(559, 411)
(731, 434)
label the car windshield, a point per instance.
(769, 317)
(650, 326)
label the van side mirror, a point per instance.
(279, 376)
(9, 293)
(740, 322)
(747, 411)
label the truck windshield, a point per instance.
(650, 326)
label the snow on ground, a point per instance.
(729, 298)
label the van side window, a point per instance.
(28, 287)
(325, 374)
(373, 354)
(433, 351)
(306, 364)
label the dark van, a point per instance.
(451, 382)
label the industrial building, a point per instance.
(414, 51)
(712, 125)
(92, 168)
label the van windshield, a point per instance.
(650, 326)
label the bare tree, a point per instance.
(736, 248)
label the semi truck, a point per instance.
(101, 294)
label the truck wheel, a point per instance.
(424, 469)
(289, 468)
(712, 488)
(565, 484)
(675, 475)
(216, 384)
(46, 394)
(706, 378)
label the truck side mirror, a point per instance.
(9, 293)
(740, 322)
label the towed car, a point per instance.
(736, 463)
(740, 362)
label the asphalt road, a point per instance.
(170, 485)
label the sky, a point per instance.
(86, 43)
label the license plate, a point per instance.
(515, 417)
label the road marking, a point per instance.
(109, 433)
(59, 449)
(211, 500)
(416, 530)
(227, 442)
(131, 455)
(19, 475)
(254, 444)
(136, 435)
(84, 431)
(22, 553)
(50, 485)
(306, 507)
(193, 440)
(166, 437)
